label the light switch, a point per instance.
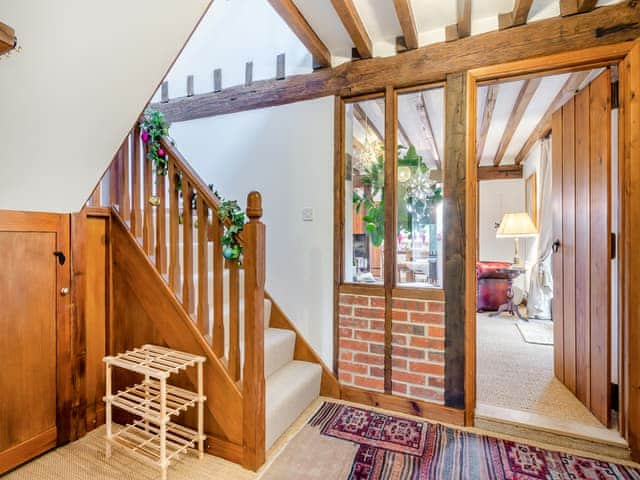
(307, 214)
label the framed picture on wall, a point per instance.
(531, 198)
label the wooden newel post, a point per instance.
(253, 391)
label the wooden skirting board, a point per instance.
(27, 450)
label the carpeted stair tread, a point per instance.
(289, 391)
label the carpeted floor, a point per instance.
(518, 375)
(348, 442)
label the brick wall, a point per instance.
(417, 345)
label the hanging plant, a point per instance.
(153, 127)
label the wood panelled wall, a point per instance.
(581, 132)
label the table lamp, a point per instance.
(516, 225)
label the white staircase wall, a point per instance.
(86, 70)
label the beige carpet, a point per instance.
(518, 375)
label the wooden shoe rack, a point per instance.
(153, 437)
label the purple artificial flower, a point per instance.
(161, 152)
(144, 135)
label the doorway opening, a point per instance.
(547, 333)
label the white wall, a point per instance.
(86, 70)
(498, 197)
(286, 153)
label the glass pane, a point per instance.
(364, 192)
(419, 188)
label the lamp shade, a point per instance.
(515, 225)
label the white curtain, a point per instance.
(541, 282)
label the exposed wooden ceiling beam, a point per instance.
(567, 91)
(462, 28)
(7, 37)
(571, 7)
(518, 16)
(404, 12)
(428, 130)
(603, 26)
(527, 91)
(487, 115)
(351, 20)
(502, 172)
(301, 28)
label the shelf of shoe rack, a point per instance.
(154, 438)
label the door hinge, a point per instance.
(615, 95)
(614, 245)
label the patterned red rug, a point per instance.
(389, 447)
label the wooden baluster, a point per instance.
(253, 390)
(174, 219)
(161, 223)
(218, 287)
(113, 180)
(187, 248)
(136, 212)
(147, 227)
(234, 320)
(125, 206)
(96, 196)
(203, 268)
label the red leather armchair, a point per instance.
(492, 285)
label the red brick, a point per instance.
(353, 345)
(407, 352)
(399, 340)
(345, 377)
(369, 359)
(353, 322)
(409, 377)
(370, 336)
(368, 382)
(377, 302)
(437, 382)
(408, 328)
(434, 343)
(398, 387)
(435, 307)
(376, 325)
(345, 332)
(400, 315)
(352, 367)
(399, 363)
(376, 372)
(361, 312)
(354, 300)
(429, 318)
(436, 332)
(346, 310)
(345, 299)
(413, 305)
(376, 348)
(423, 367)
(426, 393)
(346, 355)
(435, 356)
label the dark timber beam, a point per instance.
(404, 12)
(7, 38)
(503, 172)
(527, 92)
(603, 26)
(518, 16)
(567, 91)
(571, 7)
(487, 115)
(462, 28)
(301, 28)
(351, 20)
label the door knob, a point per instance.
(64, 291)
(555, 246)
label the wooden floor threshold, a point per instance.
(552, 431)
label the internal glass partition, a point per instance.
(419, 259)
(364, 191)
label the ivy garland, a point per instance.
(153, 127)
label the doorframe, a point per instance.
(19, 221)
(552, 64)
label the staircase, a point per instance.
(260, 374)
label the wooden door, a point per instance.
(34, 339)
(581, 141)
